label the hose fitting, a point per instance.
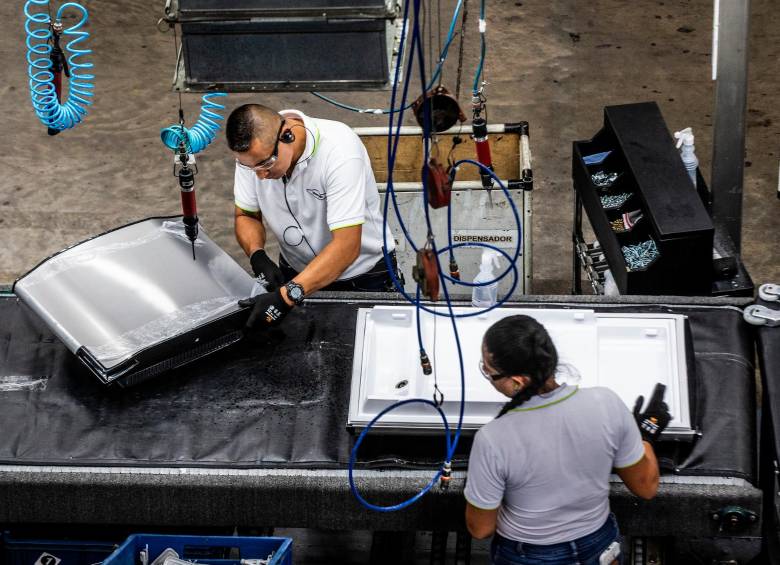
(446, 476)
(425, 362)
(454, 269)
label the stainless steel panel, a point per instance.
(132, 288)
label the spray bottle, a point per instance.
(685, 145)
(486, 296)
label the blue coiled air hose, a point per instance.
(204, 131)
(49, 110)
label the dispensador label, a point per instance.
(505, 239)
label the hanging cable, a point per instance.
(392, 148)
(434, 76)
(43, 36)
(460, 48)
(450, 439)
(428, 23)
(443, 473)
(476, 88)
(438, 34)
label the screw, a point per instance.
(603, 179)
(609, 202)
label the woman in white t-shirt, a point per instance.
(538, 474)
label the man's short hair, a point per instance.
(248, 122)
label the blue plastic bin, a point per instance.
(212, 550)
(53, 552)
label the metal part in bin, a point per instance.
(206, 550)
(52, 552)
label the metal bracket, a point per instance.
(734, 518)
(758, 315)
(769, 292)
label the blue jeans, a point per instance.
(581, 551)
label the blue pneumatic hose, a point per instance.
(50, 111)
(451, 438)
(434, 76)
(197, 138)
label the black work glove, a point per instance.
(262, 265)
(267, 309)
(656, 416)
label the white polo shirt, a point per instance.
(331, 187)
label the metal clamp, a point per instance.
(769, 292)
(438, 395)
(734, 518)
(758, 315)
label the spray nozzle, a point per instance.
(489, 260)
(684, 137)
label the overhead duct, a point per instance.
(280, 45)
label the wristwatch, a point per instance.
(295, 292)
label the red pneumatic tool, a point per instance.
(186, 176)
(480, 130)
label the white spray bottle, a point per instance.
(486, 296)
(685, 145)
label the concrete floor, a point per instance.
(555, 64)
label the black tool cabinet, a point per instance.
(674, 213)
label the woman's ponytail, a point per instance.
(523, 395)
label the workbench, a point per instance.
(255, 435)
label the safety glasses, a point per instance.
(265, 164)
(490, 376)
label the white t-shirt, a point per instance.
(331, 187)
(546, 464)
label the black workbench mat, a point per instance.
(769, 361)
(281, 401)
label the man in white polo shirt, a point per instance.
(310, 182)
